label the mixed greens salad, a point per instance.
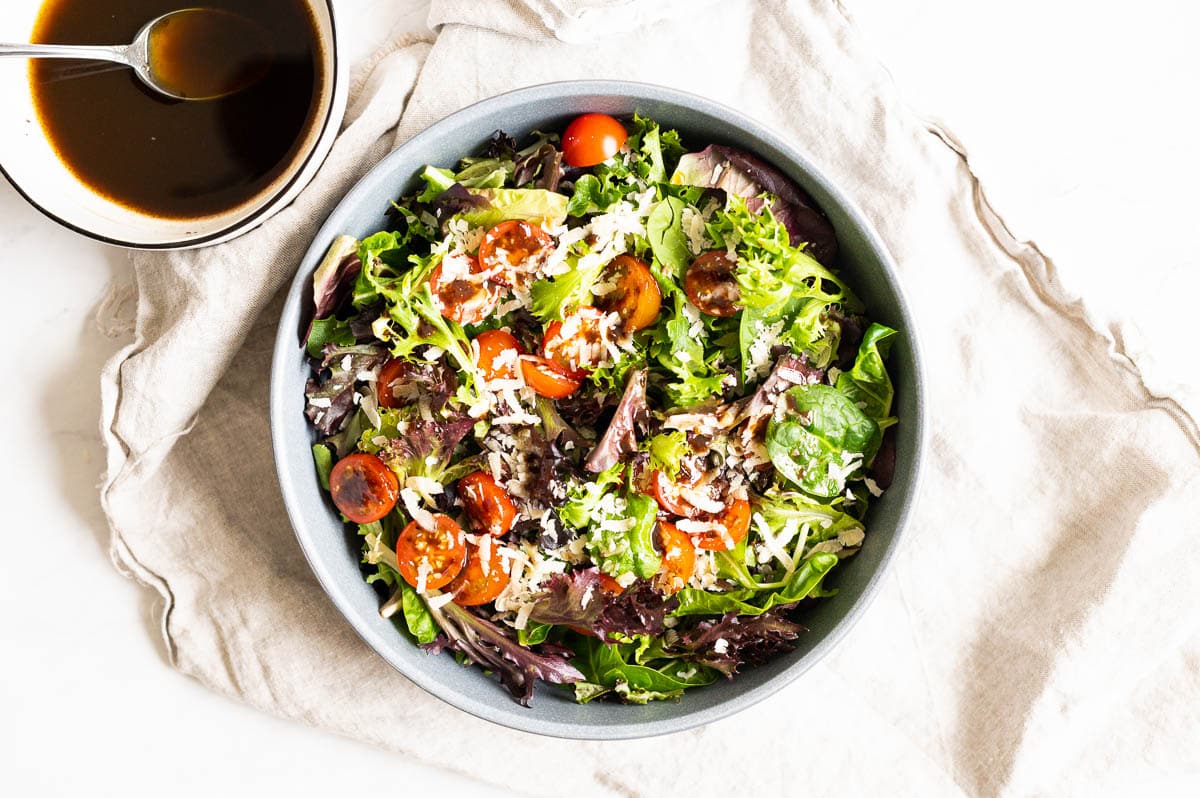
(601, 409)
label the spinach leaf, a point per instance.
(533, 633)
(806, 578)
(664, 227)
(867, 383)
(822, 440)
(644, 512)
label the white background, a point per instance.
(1080, 118)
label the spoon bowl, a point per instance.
(189, 54)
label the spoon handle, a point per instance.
(117, 54)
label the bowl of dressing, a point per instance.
(92, 147)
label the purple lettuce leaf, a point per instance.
(334, 382)
(455, 200)
(490, 647)
(543, 165)
(736, 640)
(436, 382)
(744, 175)
(621, 436)
(576, 599)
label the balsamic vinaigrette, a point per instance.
(176, 158)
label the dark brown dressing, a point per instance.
(176, 158)
(203, 53)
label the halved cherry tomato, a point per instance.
(577, 343)
(635, 297)
(512, 248)
(473, 585)
(490, 345)
(666, 493)
(735, 519)
(363, 488)
(547, 378)
(462, 298)
(591, 139)
(608, 586)
(392, 371)
(678, 558)
(711, 283)
(440, 553)
(486, 503)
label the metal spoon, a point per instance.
(146, 56)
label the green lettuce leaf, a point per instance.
(746, 601)
(529, 204)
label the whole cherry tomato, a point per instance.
(591, 139)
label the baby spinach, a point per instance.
(818, 441)
(867, 383)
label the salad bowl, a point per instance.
(333, 552)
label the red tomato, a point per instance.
(490, 345)
(363, 488)
(486, 503)
(678, 558)
(591, 139)
(635, 296)
(735, 519)
(711, 283)
(547, 378)
(513, 248)
(392, 371)
(666, 493)
(473, 586)
(465, 297)
(440, 553)
(576, 344)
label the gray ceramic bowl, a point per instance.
(334, 555)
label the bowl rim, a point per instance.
(286, 346)
(259, 215)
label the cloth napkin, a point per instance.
(1037, 633)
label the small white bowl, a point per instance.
(30, 163)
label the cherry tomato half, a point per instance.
(576, 344)
(547, 378)
(512, 249)
(735, 519)
(489, 346)
(363, 488)
(711, 283)
(666, 493)
(440, 553)
(678, 558)
(459, 293)
(392, 371)
(474, 585)
(635, 296)
(591, 139)
(486, 503)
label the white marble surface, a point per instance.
(1080, 124)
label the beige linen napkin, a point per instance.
(1038, 631)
